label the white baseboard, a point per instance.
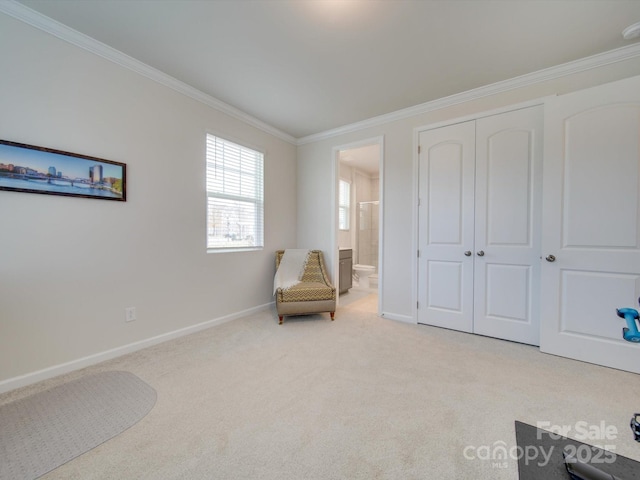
(54, 371)
(399, 318)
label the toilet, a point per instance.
(363, 272)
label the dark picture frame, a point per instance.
(32, 169)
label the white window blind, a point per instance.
(344, 202)
(235, 203)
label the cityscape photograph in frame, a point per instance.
(31, 169)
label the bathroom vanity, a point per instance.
(346, 266)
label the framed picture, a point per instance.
(26, 168)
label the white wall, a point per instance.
(70, 266)
(315, 166)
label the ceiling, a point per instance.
(309, 66)
(365, 158)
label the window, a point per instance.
(235, 204)
(344, 203)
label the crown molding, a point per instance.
(48, 25)
(581, 65)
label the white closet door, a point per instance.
(507, 225)
(591, 223)
(445, 278)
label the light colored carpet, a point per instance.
(47, 429)
(351, 296)
(358, 398)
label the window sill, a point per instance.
(232, 249)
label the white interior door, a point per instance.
(591, 223)
(507, 225)
(446, 176)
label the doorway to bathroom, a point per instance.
(359, 231)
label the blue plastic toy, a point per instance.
(630, 333)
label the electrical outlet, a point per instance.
(129, 314)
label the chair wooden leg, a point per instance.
(332, 313)
(280, 317)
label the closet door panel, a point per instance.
(591, 223)
(445, 273)
(508, 180)
(502, 279)
(507, 225)
(447, 292)
(444, 194)
(601, 180)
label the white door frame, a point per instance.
(335, 174)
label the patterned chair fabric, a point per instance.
(314, 293)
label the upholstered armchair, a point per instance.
(314, 292)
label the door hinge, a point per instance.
(418, 253)
(418, 149)
(417, 305)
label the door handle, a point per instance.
(480, 253)
(467, 253)
(550, 258)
